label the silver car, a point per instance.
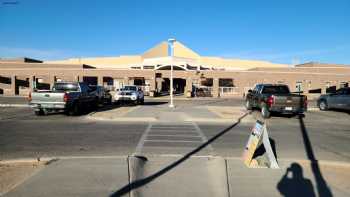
(338, 100)
(129, 93)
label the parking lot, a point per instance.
(25, 135)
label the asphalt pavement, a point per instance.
(25, 135)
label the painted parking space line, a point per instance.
(175, 141)
(174, 131)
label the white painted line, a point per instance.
(174, 131)
(165, 124)
(177, 141)
(187, 127)
(204, 138)
(139, 146)
(194, 136)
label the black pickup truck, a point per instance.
(275, 98)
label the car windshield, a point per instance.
(275, 90)
(130, 88)
(65, 87)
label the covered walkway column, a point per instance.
(306, 87)
(100, 80)
(216, 87)
(52, 80)
(188, 88)
(13, 85)
(159, 82)
(125, 81)
(31, 82)
(152, 87)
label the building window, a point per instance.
(135, 67)
(344, 84)
(148, 67)
(226, 83)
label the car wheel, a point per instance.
(248, 106)
(323, 105)
(39, 113)
(75, 110)
(265, 113)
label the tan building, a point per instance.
(194, 74)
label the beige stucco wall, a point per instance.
(103, 62)
(160, 50)
(181, 50)
(238, 64)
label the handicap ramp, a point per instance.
(177, 176)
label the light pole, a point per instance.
(171, 43)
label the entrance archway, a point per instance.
(179, 85)
(168, 67)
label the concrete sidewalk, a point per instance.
(193, 176)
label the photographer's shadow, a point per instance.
(294, 184)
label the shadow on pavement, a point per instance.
(342, 111)
(297, 185)
(155, 103)
(141, 182)
(294, 184)
(107, 107)
(260, 151)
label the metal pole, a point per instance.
(171, 41)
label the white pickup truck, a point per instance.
(129, 93)
(71, 97)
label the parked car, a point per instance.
(103, 95)
(70, 97)
(275, 98)
(129, 93)
(202, 92)
(338, 100)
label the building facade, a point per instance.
(193, 74)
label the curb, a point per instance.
(313, 109)
(48, 159)
(14, 105)
(26, 160)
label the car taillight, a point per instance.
(65, 97)
(270, 100)
(30, 96)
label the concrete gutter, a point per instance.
(14, 105)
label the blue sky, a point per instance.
(278, 31)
